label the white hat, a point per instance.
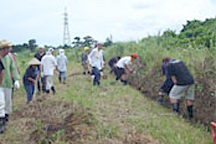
(40, 47)
(50, 50)
(34, 61)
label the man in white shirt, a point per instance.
(62, 65)
(49, 64)
(124, 64)
(97, 63)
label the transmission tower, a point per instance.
(66, 34)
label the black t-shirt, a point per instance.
(112, 61)
(1, 66)
(181, 72)
(39, 57)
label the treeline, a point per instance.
(196, 34)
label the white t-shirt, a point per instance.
(48, 64)
(124, 61)
(96, 58)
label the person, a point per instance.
(168, 84)
(49, 64)
(30, 78)
(39, 55)
(17, 67)
(62, 65)
(4, 50)
(6, 85)
(124, 64)
(97, 63)
(112, 63)
(183, 83)
(85, 62)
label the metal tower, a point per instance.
(66, 34)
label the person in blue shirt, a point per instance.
(168, 84)
(30, 78)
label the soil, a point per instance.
(53, 120)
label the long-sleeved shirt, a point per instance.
(96, 58)
(10, 67)
(48, 64)
(62, 62)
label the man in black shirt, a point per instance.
(112, 63)
(183, 83)
(39, 55)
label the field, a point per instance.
(111, 114)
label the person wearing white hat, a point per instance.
(96, 60)
(49, 64)
(4, 50)
(6, 85)
(62, 65)
(29, 78)
(39, 55)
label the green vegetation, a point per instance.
(82, 113)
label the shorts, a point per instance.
(177, 91)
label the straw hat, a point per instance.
(5, 43)
(34, 61)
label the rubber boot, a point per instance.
(190, 112)
(6, 118)
(175, 108)
(53, 89)
(124, 82)
(160, 100)
(2, 124)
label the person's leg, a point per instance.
(52, 84)
(28, 92)
(38, 85)
(64, 77)
(2, 110)
(59, 76)
(43, 80)
(96, 73)
(190, 96)
(8, 103)
(175, 95)
(48, 84)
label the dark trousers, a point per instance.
(43, 81)
(119, 72)
(29, 91)
(96, 73)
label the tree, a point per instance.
(32, 43)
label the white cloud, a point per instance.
(124, 19)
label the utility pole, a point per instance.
(66, 34)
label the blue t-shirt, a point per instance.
(180, 71)
(30, 73)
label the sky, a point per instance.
(125, 20)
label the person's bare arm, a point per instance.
(174, 79)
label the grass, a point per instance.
(120, 114)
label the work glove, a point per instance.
(17, 84)
(42, 75)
